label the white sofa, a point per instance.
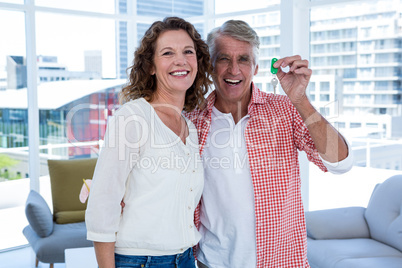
(357, 237)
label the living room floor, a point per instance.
(22, 258)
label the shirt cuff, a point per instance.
(101, 237)
(342, 166)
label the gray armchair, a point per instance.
(49, 234)
(357, 237)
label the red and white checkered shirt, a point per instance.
(274, 134)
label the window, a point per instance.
(103, 6)
(366, 31)
(87, 42)
(365, 86)
(13, 124)
(81, 58)
(324, 97)
(324, 86)
(349, 60)
(370, 78)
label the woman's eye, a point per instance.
(189, 52)
(167, 53)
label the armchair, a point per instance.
(49, 234)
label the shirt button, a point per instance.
(191, 189)
(189, 207)
(193, 171)
(191, 226)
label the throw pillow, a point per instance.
(38, 214)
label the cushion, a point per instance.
(338, 223)
(66, 181)
(332, 252)
(52, 248)
(383, 213)
(38, 214)
(70, 216)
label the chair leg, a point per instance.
(51, 265)
(36, 262)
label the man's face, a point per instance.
(234, 69)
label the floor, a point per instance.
(22, 258)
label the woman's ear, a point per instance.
(152, 70)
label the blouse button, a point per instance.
(191, 189)
(189, 207)
(191, 226)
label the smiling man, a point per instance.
(251, 212)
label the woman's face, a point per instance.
(175, 62)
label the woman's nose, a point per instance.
(180, 59)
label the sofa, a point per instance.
(357, 237)
(50, 234)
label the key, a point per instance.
(274, 81)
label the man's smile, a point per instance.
(232, 81)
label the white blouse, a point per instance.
(159, 177)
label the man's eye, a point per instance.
(244, 59)
(223, 59)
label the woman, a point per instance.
(151, 157)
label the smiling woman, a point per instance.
(171, 73)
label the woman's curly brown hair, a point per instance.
(143, 84)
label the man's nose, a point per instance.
(234, 68)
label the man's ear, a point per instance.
(256, 70)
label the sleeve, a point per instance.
(342, 166)
(303, 140)
(117, 157)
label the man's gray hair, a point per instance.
(238, 30)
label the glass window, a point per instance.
(333, 60)
(324, 86)
(349, 60)
(349, 46)
(223, 6)
(383, 58)
(14, 170)
(365, 86)
(12, 1)
(349, 73)
(103, 6)
(75, 109)
(324, 97)
(369, 31)
(348, 86)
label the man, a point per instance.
(251, 213)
